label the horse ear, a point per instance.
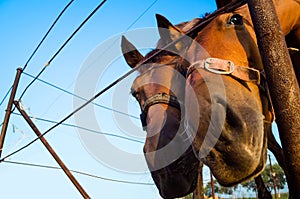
(222, 3)
(168, 32)
(130, 53)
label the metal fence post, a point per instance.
(284, 88)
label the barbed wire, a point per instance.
(141, 15)
(84, 104)
(39, 45)
(79, 97)
(75, 111)
(47, 33)
(78, 172)
(62, 46)
(5, 96)
(83, 128)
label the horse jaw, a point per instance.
(233, 164)
(229, 132)
(250, 165)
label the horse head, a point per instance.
(289, 18)
(229, 134)
(243, 108)
(160, 90)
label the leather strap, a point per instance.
(226, 67)
(160, 98)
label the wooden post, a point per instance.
(8, 109)
(283, 85)
(212, 185)
(199, 191)
(273, 178)
(262, 191)
(50, 149)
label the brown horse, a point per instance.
(236, 31)
(289, 16)
(160, 91)
(238, 45)
(239, 152)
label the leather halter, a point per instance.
(160, 98)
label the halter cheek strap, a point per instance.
(226, 67)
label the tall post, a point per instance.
(199, 191)
(283, 85)
(212, 185)
(273, 178)
(8, 109)
(52, 152)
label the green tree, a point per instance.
(249, 185)
(279, 176)
(226, 190)
(218, 189)
(208, 188)
(190, 196)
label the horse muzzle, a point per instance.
(179, 178)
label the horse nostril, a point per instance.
(229, 117)
(232, 119)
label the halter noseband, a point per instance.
(160, 98)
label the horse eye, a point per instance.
(135, 94)
(236, 19)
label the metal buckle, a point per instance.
(218, 71)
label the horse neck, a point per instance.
(288, 12)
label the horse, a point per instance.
(235, 30)
(184, 181)
(160, 91)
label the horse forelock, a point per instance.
(155, 55)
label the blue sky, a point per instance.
(24, 23)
